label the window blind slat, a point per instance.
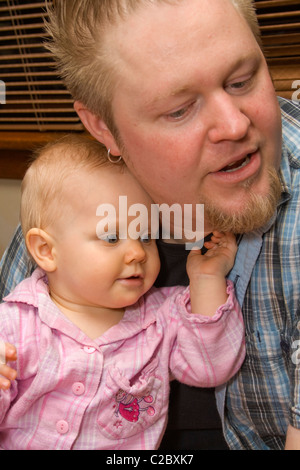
(278, 15)
(13, 7)
(285, 51)
(293, 38)
(26, 56)
(280, 27)
(41, 101)
(42, 127)
(33, 93)
(21, 37)
(276, 3)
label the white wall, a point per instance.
(10, 193)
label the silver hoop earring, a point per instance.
(113, 159)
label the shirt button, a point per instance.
(78, 388)
(89, 349)
(62, 427)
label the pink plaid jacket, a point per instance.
(111, 393)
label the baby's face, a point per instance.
(103, 241)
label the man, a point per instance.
(181, 89)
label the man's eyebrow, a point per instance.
(251, 57)
(181, 90)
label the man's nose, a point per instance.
(134, 252)
(227, 120)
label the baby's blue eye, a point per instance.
(146, 238)
(111, 238)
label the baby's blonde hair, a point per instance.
(41, 192)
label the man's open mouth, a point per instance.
(237, 165)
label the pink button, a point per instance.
(78, 388)
(62, 427)
(89, 349)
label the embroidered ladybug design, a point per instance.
(129, 407)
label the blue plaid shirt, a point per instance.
(264, 397)
(259, 403)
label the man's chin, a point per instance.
(253, 214)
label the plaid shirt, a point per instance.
(265, 396)
(15, 265)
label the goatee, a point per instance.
(257, 211)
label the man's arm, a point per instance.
(15, 265)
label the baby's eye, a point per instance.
(146, 238)
(111, 238)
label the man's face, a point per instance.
(195, 106)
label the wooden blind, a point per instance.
(280, 28)
(36, 99)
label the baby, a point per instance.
(96, 343)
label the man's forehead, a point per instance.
(159, 30)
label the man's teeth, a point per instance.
(235, 166)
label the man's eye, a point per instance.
(238, 85)
(242, 85)
(178, 114)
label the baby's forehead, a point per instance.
(105, 184)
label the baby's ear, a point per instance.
(41, 246)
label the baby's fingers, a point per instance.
(7, 375)
(222, 239)
(8, 352)
(11, 352)
(210, 245)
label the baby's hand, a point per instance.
(207, 273)
(219, 258)
(8, 352)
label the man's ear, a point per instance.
(42, 248)
(97, 128)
